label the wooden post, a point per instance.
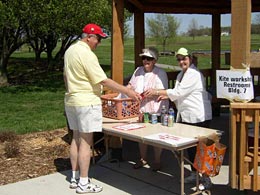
(242, 148)
(117, 50)
(215, 48)
(117, 56)
(256, 178)
(240, 32)
(244, 157)
(233, 150)
(139, 37)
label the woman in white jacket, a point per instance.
(192, 102)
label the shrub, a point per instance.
(7, 136)
(11, 149)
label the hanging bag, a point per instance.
(209, 156)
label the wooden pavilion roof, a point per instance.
(185, 6)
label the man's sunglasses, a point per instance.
(97, 37)
(147, 58)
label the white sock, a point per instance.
(75, 174)
(83, 180)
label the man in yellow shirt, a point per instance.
(83, 78)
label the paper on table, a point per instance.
(170, 139)
(128, 127)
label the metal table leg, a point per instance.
(182, 173)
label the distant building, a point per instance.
(225, 34)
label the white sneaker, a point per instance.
(191, 178)
(88, 188)
(73, 183)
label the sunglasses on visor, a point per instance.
(147, 58)
(181, 58)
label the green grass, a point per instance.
(30, 110)
(196, 45)
(34, 101)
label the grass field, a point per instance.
(34, 101)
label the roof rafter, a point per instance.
(185, 6)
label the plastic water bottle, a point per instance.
(163, 113)
(171, 117)
(171, 111)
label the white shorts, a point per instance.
(85, 119)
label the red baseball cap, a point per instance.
(94, 29)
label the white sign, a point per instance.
(235, 85)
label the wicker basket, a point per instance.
(119, 108)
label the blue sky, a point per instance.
(202, 20)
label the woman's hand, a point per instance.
(149, 93)
(162, 97)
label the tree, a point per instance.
(41, 23)
(74, 15)
(256, 25)
(163, 27)
(11, 34)
(128, 16)
(193, 28)
(60, 19)
(71, 16)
